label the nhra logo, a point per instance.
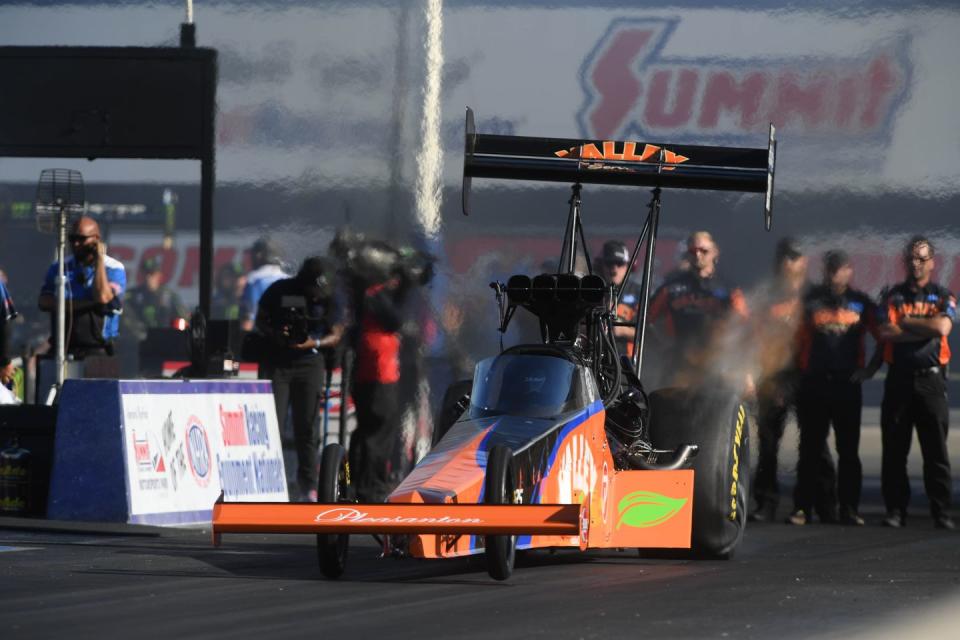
(198, 451)
(633, 90)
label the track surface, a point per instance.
(788, 582)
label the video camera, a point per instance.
(291, 324)
(370, 262)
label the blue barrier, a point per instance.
(160, 452)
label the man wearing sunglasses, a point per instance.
(692, 307)
(916, 316)
(95, 283)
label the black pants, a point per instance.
(915, 400)
(824, 399)
(775, 396)
(298, 384)
(373, 441)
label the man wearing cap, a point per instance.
(95, 287)
(773, 334)
(267, 269)
(693, 306)
(615, 260)
(152, 303)
(915, 317)
(832, 344)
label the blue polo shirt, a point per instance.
(80, 287)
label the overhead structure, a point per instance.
(116, 102)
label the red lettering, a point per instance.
(803, 101)
(954, 276)
(656, 113)
(123, 253)
(234, 428)
(191, 267)
(616, 82)
(880, 84)
(724, 93)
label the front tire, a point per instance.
(332, 486)
(498, 488)
(716, 420)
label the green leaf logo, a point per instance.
(646, 509)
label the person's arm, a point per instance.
(927, 327)
(102, 291)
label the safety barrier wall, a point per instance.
(161, 452)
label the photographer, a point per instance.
(299, 318)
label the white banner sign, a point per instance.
(185, 442)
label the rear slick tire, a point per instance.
(716, 419)
(498, 488)
(332, 486)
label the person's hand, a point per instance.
(306, 345)
(101, 250)
(749, 388)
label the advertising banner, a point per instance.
(185, 442)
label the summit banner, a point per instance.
(862, 96)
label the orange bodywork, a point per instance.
(569, 495)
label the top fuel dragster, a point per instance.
(556, 444)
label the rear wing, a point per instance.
(619, 163)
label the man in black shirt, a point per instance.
(777, 310)
(692, 307)
(300, 317)
(836, 319)
(615, 261)
(916, 317)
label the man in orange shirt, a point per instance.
(916, 317)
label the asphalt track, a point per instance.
(60, 579)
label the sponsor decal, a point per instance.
(244, 426)
(198, 451)
(348, 514)
(642, 509)
(633, 89)
(578, 473)
(737, 438)
(584, 524)
(622, 151)
(148, 458)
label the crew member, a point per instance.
(916, 317)
(615, 260)
(774, 334)
(300, 317)
(832, 347)
(228, 292)
(692, 307)
(267, 269)
(95, 283)
(376, 386)
(151, 304)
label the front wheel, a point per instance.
(332, 486)
(498, 488)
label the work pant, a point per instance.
(298, 384)
(826, 398)
(774, 398)
(373, 441)
(915, 400)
